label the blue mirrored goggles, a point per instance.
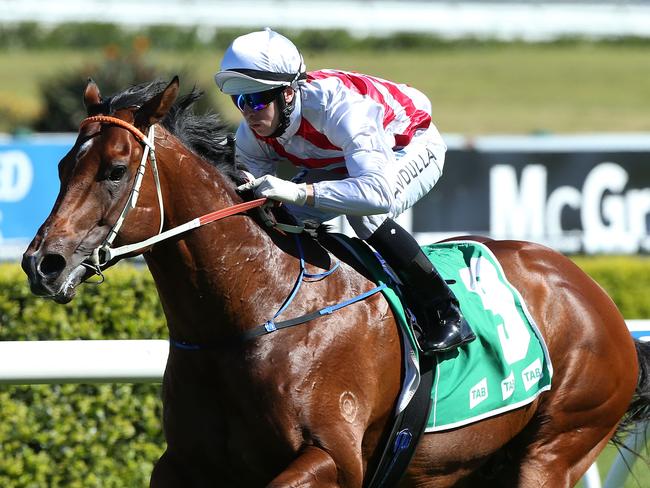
(256, 101)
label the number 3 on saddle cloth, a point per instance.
(508, 366)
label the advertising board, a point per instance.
(577, 194)
(29, 185)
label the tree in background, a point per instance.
(63, 108)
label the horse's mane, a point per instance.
(204, 134)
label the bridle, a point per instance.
(104, 253)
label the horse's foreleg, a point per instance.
(313, 468)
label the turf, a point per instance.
(514, 88)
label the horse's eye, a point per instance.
(116, 173)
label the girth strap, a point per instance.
(272, 326)
(406, 432)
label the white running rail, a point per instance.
(115, 361)
(143, 361)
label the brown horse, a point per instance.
(307, 405)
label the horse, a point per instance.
(307, 405)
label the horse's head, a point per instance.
(97, 177)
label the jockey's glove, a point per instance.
(277, 189)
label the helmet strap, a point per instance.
(285, 109)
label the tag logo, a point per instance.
(508, 386)
(532, 374)
(478, 393)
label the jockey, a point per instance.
(367, 150)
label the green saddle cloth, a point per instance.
(508, 364)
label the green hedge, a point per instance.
(80, 435)
(626, 279)
(110, 435)
(31, 35)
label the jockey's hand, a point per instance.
(277, 189)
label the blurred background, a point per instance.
(544, 104)
(532, 96)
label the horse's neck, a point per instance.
(207, 280)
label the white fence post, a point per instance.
(591, 479)
(143, 361)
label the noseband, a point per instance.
(101, 255)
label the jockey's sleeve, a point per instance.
(364, 195)
(252, 154)
(355, 124)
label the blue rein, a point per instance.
(271, 325)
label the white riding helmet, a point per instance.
(259, 61)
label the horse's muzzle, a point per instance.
(50, 275)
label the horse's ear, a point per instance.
(92, 96)
(156, 108)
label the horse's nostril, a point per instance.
(51, 264)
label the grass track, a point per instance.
(514, 88)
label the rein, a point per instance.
(101, 255)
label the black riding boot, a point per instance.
(436, 309)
